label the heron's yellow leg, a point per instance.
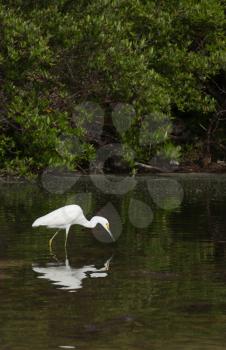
(65, 248)
(51, 239)
(65, 243)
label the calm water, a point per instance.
(161, 285)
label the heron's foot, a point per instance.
(52, 252)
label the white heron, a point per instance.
(65, 217)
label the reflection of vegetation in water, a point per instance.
(166, 282)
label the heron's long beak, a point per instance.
(111, 235)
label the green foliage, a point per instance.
(158, 57)
(34, 116)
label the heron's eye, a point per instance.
(107, 226)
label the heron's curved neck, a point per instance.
(92, 223)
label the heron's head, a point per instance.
(104, 222)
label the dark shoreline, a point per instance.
(213, 169)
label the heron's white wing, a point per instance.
(60, 217)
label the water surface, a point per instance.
(161, 285)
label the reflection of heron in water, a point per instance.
(69, 278)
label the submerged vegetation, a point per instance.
(157, 68)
